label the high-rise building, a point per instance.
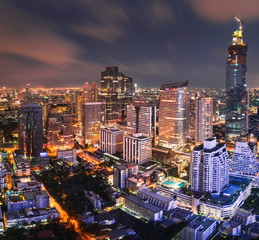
(243, 161)
(192, 119)
(30, 130)
(94, 92)
(93, 118)
(111, 140)
(116, 90)
(141, 118)
(173, 115)
(137, 148)
(209, 167)
(78, 107)
(204, 119)
(60, 127)
(89, 94)
(237, 97)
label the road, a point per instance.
(65, 217)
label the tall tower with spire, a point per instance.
(236, 89)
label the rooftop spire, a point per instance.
(240, 24)
(238, 34)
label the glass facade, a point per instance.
(173, 115)
(116, 90)
(30, 130)
(93, 118)
(237, 99)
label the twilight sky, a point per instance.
(55, 43)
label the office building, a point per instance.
(60, 127)
(93, 118)
(192, 119)
(116, 90)
(89, 94)
(111, 140)
(203, 119)
(236, 88)
(199, 229)
(141, 118)
(122, 172)
(78, 107)
(173, 115)
(137, 148)
(209, 167)
(30, 130)
(244, 162)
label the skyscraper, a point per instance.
(203, 119)
(173, 115)
(89, 94)
(209, 167)
(236, 89)
(93, 117)
(60, 127)
(141, 118)
(191, 119)
(116, 90)
(30, 130)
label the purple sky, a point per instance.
(55, 43)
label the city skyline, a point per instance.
(54, 44)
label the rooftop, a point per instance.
(169, 86)
(155, 195)
(143, 204)
(204, 222)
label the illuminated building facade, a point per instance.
(122, 172)
(78, 107)
(244, 162)
(204, 119)
(60, 128)
(141, 118)
(173, 115)
(89, 94)
(209, 167)
(237, 97)
(192, 119)
(93, 118)
(137, 148)
(30, 130)
(111, 140)
(116, 90)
